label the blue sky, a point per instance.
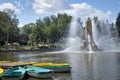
(29, 10)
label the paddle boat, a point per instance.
(49, 64)
(8, 65)
(56, 67)
(1, 71)
(38, 72)
(14, 73)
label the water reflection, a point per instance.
(95, 66)
(101, 66)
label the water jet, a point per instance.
(95, 36)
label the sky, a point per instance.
(29, 11)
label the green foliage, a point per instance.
(31, 39)
(27, 29)
(53, 34)
(118, 24)
(9, 31)
(50, 29)
(46, 21)
(62, 22)
(47, 30)
(37, 33)
(4, 18)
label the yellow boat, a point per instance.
(50, 64)
(4, 61)
(24, 63)
(1, 70)
(42, 64)
(7, 65)
(56, 67)
(60, 64)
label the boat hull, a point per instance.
(38, 72)
(1, 70)
(58, 69)
(61, 70)
(13, 73)
(12, 77)
(41, 75)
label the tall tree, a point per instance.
(118, 24)
(53, 19)
(9, 26)
(46, 21)
(14, 30)
(26, 32)
(62, 22)
(53, 34)
(4, 25)
(38, 34)
(49, 29)
(27, 29)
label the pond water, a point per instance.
(85, 66)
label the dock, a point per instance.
(7, 65)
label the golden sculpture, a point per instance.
(88, 32)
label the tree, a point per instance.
(31, 39)
(9, 31)
(118, 24)
(46, 30)
(62, 22)
(57, 27)
(53, 34)
(14, 30)
(53, 19)
(4, 24)
(37, 33)
(46, 21)
(26, 31)
(8, 28)
(12, 26)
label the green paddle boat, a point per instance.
(38, 72)
(56, 67)
(16, 72)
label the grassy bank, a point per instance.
(29, 48)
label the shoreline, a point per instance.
(24, 50)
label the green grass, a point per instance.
(28, 47)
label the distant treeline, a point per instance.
(48, 30)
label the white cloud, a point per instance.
(85, 10)
(20, 25)
(48, 6)
(82, 10)
(5, 6)
(18, 4)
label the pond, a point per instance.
(85, 66)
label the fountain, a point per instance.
(95, 36)
(89, 42)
